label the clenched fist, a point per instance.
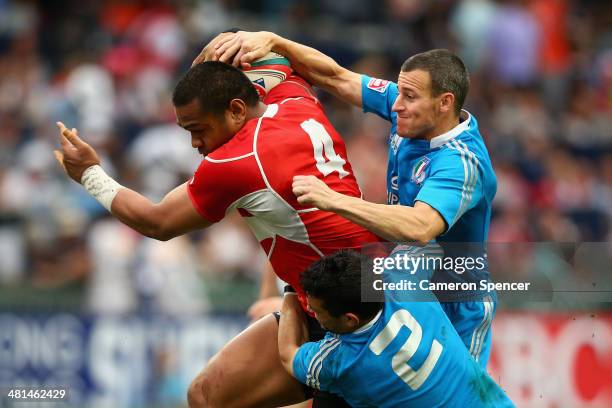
(309, 190)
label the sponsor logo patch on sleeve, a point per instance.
(378, 85)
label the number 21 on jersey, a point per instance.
(323, 143)
(414, 378)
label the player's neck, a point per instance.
(444, 126)
(257, 111)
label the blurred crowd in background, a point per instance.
(541, 88)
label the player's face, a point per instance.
(416, 108)
(208, 131)
(326, 320)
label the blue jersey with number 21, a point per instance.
(408, 356)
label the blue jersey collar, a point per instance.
(369, 324)
(451, 134)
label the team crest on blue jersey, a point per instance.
(418, 171)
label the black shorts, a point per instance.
(320, 399)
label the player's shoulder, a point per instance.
(451, 152)
(334, 355)
(462, 161)
(323, 359)
(467, 146)
(293, 88)
(283, 116)
(334, 346)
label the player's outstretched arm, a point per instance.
(243, 47)
(292, 330)
(420, 223)
(173, 216)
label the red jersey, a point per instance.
(253, 173)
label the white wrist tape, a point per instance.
(100, 185)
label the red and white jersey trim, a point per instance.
(244, 156)
(274, 215)
(271, 216)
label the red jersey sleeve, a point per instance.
(293, 87)
(209, 195)
(217, 184)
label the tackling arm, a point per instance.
(321, 70)
(292, 330)
(316, 67)
(420, 223)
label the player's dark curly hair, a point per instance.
(336, 281)
(214, 84)
(447, 71)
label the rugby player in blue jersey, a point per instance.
(439, 170)
(375, 354)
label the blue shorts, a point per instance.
(472, 320)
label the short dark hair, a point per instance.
(214, 84)
(336, 281)
(447, 72)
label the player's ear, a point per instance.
(237, 111)
(352, 321)
(447, 102)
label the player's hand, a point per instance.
(76, 155)
(208, 52)
(244, 47)
(264, 307)
(309, 190)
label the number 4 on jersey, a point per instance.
(322, 142)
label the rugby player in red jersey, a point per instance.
(252, 150)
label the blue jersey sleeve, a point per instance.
(314, 362)
(454, 184)
(378, 96)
